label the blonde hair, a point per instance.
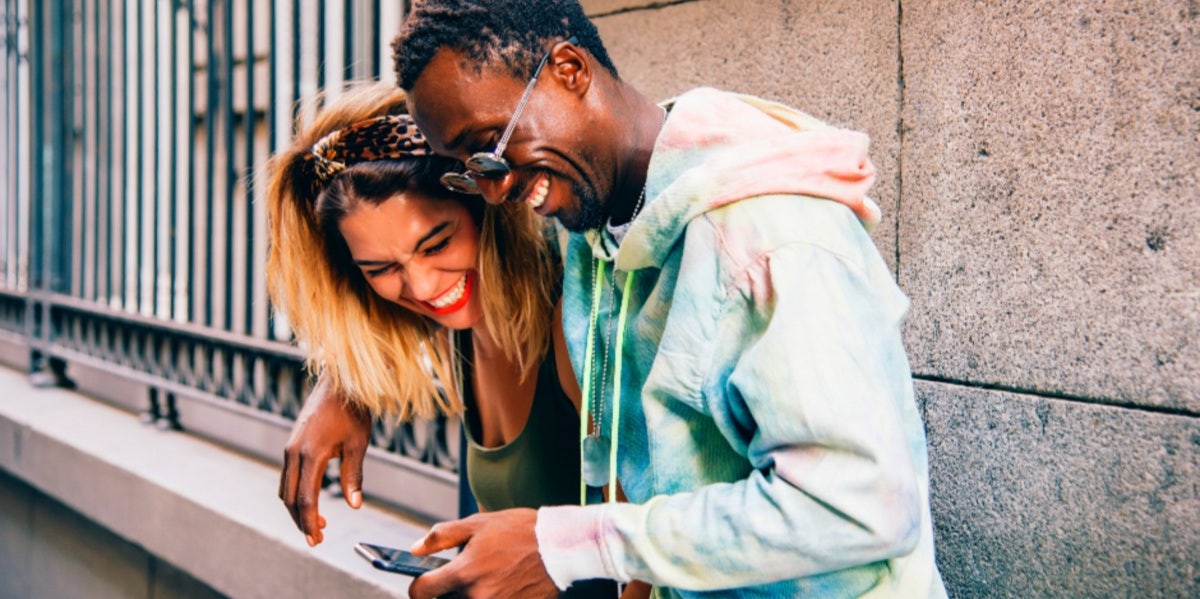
(370, 350)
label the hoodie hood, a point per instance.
(717, 148)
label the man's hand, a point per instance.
(327, 427)
(499, 558)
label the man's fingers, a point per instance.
(444, 535)
(435, 583)
(352, 467)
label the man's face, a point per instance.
(555, 169)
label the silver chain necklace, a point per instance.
(596, 450)
(598, 391)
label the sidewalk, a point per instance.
(209, 511)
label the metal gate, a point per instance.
(132, 238)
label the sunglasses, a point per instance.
(492, 165)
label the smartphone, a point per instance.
(398, 560)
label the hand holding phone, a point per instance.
(398, 561)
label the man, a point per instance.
(742, 334)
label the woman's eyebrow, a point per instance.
(430, 235)
(432, 232)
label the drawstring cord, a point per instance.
(585, 408)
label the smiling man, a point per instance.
(737, 333)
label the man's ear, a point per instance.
(572, 67)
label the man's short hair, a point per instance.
(513, 34)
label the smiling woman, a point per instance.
(392, 281)
(371, 259)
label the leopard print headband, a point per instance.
(379, 138)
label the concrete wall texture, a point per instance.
(49, 550)
(1040, 175)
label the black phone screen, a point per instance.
(398, 560)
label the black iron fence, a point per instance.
(132, 238)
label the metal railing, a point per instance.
(132, 231)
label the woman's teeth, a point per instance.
(451, 296)
(538, 196)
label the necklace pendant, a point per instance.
(595, 461)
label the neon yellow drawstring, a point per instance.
(616, 418)
(585, 407)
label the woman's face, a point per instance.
(421, 253)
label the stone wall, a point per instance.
(1040, 179)
(49, 550)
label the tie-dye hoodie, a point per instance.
(770, 444)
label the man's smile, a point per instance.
(537, 196)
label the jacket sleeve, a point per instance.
(809, 382)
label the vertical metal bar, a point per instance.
(296, 64)
(251, 275)
(187, 102)
(201, 263)
(14, 183)
(85, 154)
(210, 115)
(133, 157)
(8, 195)
(320, 44)
(118, 86)
(51, 153)
(37, 82)
(74, 134)
(349, 56)
(182, 163)
(24, 31)
(117, 118)
(103, 68)
(273, 143)
(230, 160)
(148, 165)
(170, 118)
(93, 229)
(272, 112)
(15, 180)
(199, 266)
(164, 152)
(7, 154)
(375, 52)
(88, 67)
(65, 224)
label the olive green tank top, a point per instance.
(538, 467)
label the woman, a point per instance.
(378, 267)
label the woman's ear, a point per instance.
(572, 67)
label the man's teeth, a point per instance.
(451, 296)
(538, 197)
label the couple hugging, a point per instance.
(696, 388)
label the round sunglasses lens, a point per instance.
(460, 183)
(487, 165)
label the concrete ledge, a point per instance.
(211, 512)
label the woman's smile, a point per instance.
(452, 299)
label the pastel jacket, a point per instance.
(769, 441)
